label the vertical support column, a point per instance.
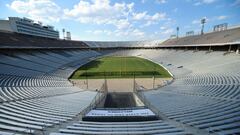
(154, 76)
(153, 81)
(134, 83)
(229, 48)
(210, 48)
(196, 49)
(237, 51)
(105, 84)
(87, 79)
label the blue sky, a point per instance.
(121, 20)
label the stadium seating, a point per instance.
(35, 92)
(206, 97)
(35, 114)
(230, 35)
(149, 127)
(36, 96)
(15, 40)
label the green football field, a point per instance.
(120, 67)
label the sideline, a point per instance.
(158, 64)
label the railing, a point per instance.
(100, 96)
(138, 90)
(148, 104)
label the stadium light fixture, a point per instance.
(63, 31)
(203, 21)
(177, 31)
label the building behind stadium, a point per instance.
(28, 26)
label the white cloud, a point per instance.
(97, 32)
(127, 34)
(175, 10)
(167, 31)
(137, 32)
(162, 28)
(187, 27)
(139, 16)
(149, 19)
(222, 17)
(197, 3)
(210, 19)
(200, 2)
(76, 37)
(156, 1)
(130, 33)
(158, 16)
(198, 21)
(101, 12)
(148, 23)
(127, 23)
(122, 24)
(208, 1)
(161, 1)
(100, 32)
(41, 10)
(143, 1)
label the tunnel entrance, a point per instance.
(120, 107)
(120, 100)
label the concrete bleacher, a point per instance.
(225, 36)
(16, 40)
(36, 114)
(205, 97)
(35, 93)
(36, 96)
(149, 127)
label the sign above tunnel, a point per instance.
(120, 112)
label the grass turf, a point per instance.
(120, 67)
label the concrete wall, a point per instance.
(5, 25)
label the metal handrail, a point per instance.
(101, 94)
(138, 90)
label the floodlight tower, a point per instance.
(203, 21)
(63, 31)
(177, 31)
